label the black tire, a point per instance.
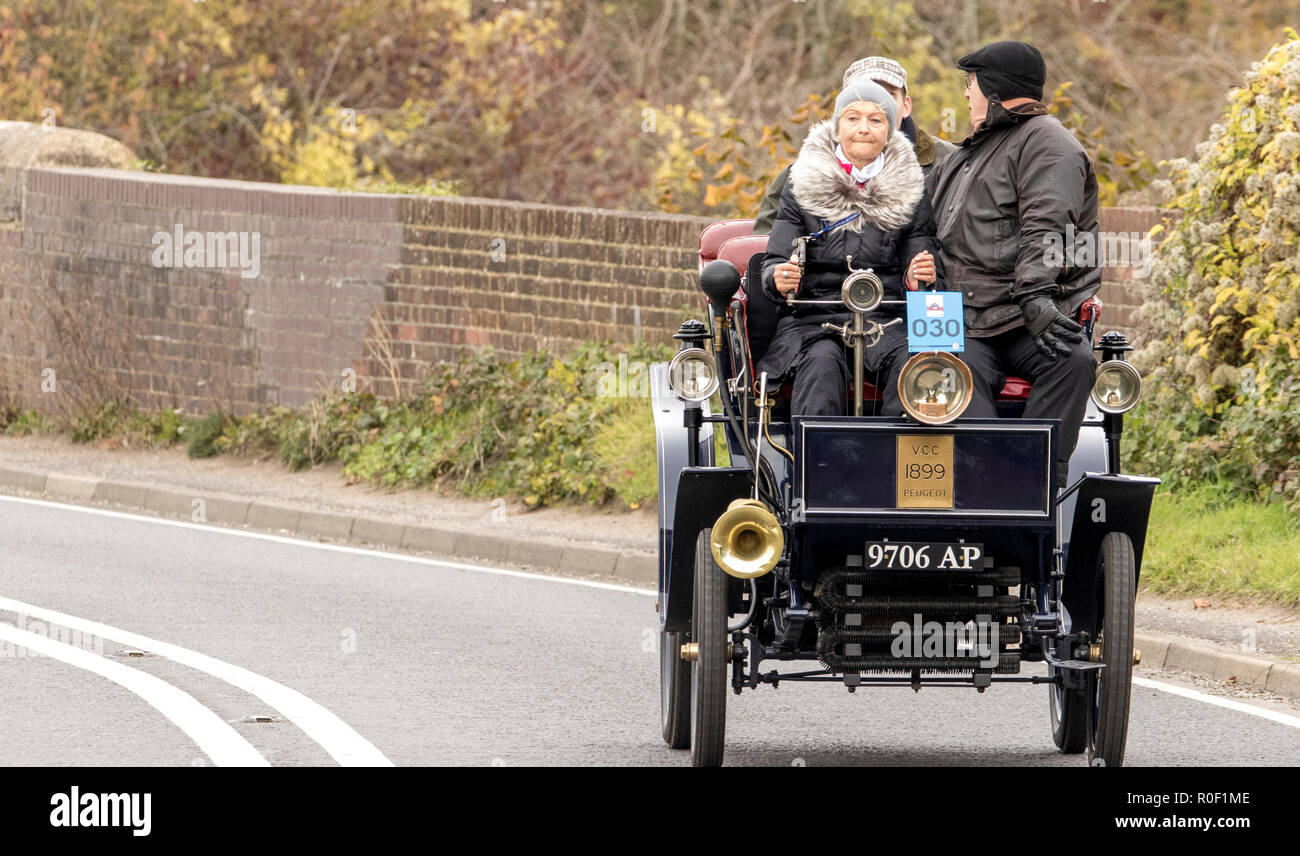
(1069, 711)
(674, 690)
(708, 709)
(1109, 716)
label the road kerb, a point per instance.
(480, 545)
(325, 524)
(1154, 649)
(642, 568)
(1198, 657)
(372, 530)
(590, 560)
(270, 515)
(1244, 669)
(536, 554)
(173, 502)
(1284, 679)
(1211, 661)
(24, 480)
(64, 486)
(121, 493)
(429, 538)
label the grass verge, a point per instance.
(1204, 542)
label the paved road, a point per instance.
(437, 664)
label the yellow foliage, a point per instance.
(1226, 294)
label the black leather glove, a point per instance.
(1053, 332)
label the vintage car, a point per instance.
(929, 550)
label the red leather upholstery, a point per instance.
(1015, 389)
(738, 251)
(717, 234)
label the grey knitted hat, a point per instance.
(866, 90)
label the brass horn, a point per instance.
(747, 540)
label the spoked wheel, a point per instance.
(708, 674)
(674, 690)
(1108, 715)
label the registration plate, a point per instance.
(923, 556)
(924, 477)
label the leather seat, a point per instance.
(717, 234)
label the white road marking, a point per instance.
(213, 734)
(1239, 707)
(334, 735)
(339, 548)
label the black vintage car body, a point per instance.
(814, 565)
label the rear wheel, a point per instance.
(674, 690)
(1108, 730)
(1069, 709)
(708, 710)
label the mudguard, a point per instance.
(1106, 503)
(672, 456)
(702, 495)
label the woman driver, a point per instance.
(857, 187)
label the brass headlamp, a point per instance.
(691, 375)
(935, 387)
(1117, 388)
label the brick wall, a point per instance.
(381, 286)
(1121, 284)
(193, 337)
(522, 277)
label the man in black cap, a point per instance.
(1005, 201)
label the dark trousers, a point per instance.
(822, 374)
(1060, 386)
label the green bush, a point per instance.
(127, 422)
(544, 428)
(20, 423)
(204, 433)
(1223, 389)
(540, 427)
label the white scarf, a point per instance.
(868, 172)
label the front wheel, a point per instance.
(1108, 732)
(709, 671)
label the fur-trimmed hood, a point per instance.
(823, 189)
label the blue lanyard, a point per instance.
(849, 219)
